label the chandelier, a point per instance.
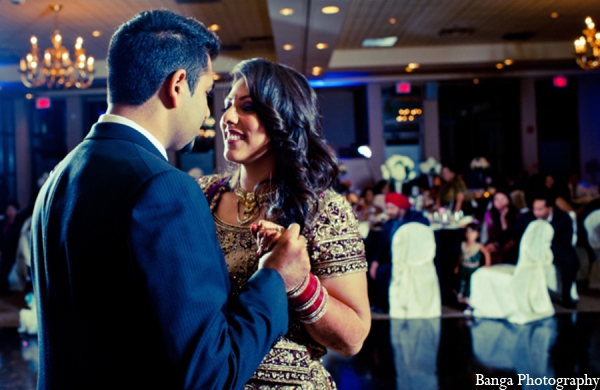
(56, 69)
(588, 57)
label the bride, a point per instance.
(283, 171)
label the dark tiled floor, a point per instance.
(446, 353)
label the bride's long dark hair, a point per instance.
(288, 108)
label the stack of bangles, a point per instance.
(309, 300)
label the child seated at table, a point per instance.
(472, 254)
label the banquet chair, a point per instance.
(518, 293)
(592, 227)
(553, 274)
(414, 289)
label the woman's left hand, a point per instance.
(267, 233)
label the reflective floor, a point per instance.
(448, 353)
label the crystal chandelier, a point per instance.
(588, 57)
(56, 69)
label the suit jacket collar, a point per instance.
(110, 130)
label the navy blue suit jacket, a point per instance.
(131, 284)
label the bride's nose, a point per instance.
(229, 116)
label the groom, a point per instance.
(131, 284)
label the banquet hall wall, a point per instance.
(26, 133)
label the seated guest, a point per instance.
(365, 209)
(397, 208)
(565, 257)
(498, 219)
(453, 192)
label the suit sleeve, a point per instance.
(212, 341)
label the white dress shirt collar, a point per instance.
(111, 118)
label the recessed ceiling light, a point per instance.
(214, 27)
(322, 46)
(392, 20)
(413, 65)
(288, 47)
(29, 96)
(508, 62)
(316, 70)
(475, 81)
(554, 15)
(286, 11)
(499, 65)
(332, 9)
(380, 42)
(96, 33)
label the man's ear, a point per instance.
(177, 87)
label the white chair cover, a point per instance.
(414, 288)
(415, 343)
(517, 293)
(523, 348)
(363, 229)
(592, 227)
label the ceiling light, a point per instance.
(288, 47)
(508, 62)
(499, 65)
(587, 48)
(29, 96)
(54, 67)
(96, 33)
(554, 15)
(322, 46)
(475, 81)
(365, 151)
(332, 9)
(408, 70)
(380, 42)
(316, 70)
(214, 27)
(286, 11)
(392, 20)
(413, 65)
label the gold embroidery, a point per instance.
(335, 248)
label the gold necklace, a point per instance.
(252, 203)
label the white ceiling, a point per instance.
(444, 36)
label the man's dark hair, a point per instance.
(544, 195)
(149, 48)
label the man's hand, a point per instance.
(289, 257)
(373, 270)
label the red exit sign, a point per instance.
(42, 103)
(403, 87)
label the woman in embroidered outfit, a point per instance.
(283, 173)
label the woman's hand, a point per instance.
(267, 233)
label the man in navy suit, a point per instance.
(565, 257)
(131, 284)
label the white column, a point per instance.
(376, 140)
(219, 94)
(529, 133)
(22, 156)
(74, 121)
(431, 130)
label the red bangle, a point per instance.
(302, 296)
